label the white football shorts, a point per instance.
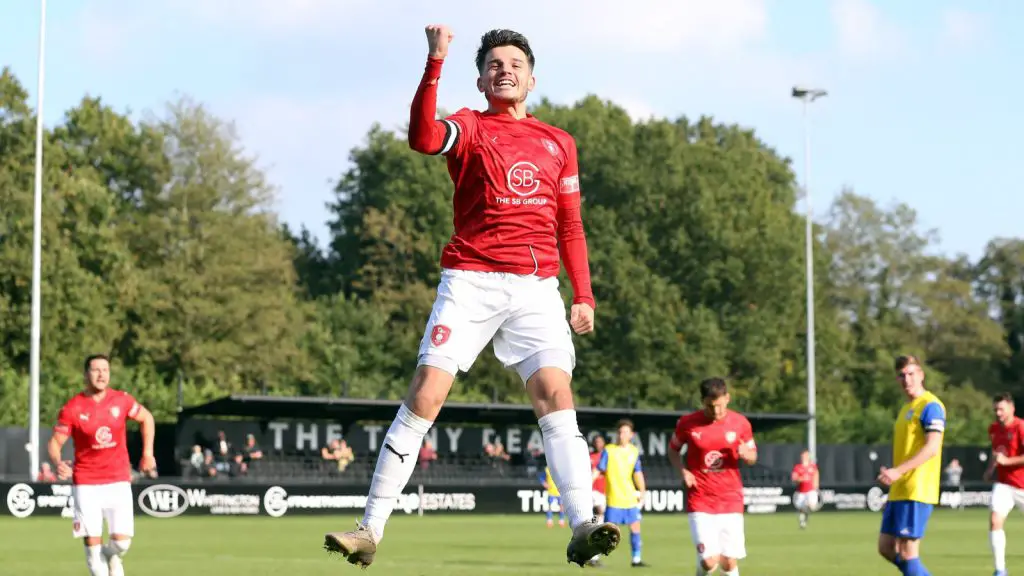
(718, 535)
(806, 501)
(1005, 498)
(523, 315)
(95, 503)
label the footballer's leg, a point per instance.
(635, 542)
(457, 330)
(706, 536)
(88, 525)
(121, 522)
(734, 543)
(536, 341)
(1000, 506)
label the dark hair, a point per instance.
(88, 360)
(713, 389)
(496, 38)
(625, 422)
(1003, 397)
(906, 360)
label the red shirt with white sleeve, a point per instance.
(1009, 441)
(804, 474)
(599, 483)
(712, 455)
(98, 431)
(517, 190)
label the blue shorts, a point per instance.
(905, 518)
(622, 515)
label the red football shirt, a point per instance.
(713, 458)
(1008, 440)
(98, 431)
(517, 190)
(598, 486)
(805, 475)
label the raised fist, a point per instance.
(438, 37)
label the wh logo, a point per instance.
(523, 178)
(163, 501)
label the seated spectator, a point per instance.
(252, 449)
(209, 465)
(46, 473)
(427, 454)
(339, 453)
(222, 448)
(196, 461)
(238, 467)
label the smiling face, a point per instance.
(506, 77)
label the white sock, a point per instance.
(395, 464)
(998, 540)
(94, 561)
(569, 459)
(734, 572)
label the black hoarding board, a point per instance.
(170, 499)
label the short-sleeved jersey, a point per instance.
(508, 176)
(712, 456)
(618, 464)
(804, 474)
(547, 480)
(599, 482)
(98, 431)
(915, 420)
(1009, 441)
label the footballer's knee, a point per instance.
(709, 564)
(428, 391)
(995, 521)
(728, 564)
(634, 527)
(886, 547)
(549, 391)
(119, 546)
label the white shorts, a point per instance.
(599, 500)
(806, 501)
(718, 535)
(95, 503)
(524, 317)
(1005, 498)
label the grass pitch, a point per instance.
(838, 544)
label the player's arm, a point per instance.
(572, 242)
(747, 450)
(61, 433)
(147, 428)
(639, 480)
(794, 475)
(602, 465)
(933, 420)
(428, 135)
(675, 445)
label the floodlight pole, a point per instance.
(37, 267)
(807, 96)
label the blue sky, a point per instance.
(923, 105)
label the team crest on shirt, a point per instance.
(730, 437)
(910, 414)
(550, 146)
(439, 335)
(115, 411)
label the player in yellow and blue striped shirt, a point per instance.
(914, 477)
(624, 485)
(554, 498)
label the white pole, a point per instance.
(37, 266)
(812, 425)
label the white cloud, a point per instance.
(863, 31)
(963, 28)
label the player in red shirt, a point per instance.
(101, 472)
(1007, 436)
(516, 219)
(599, 480)
(717, 440)
(805, 474)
